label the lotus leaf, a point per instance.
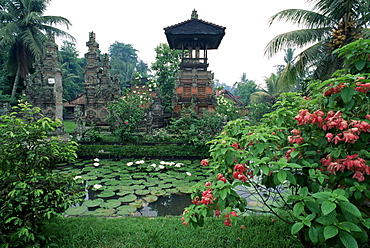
(158, 192)
(88, 177)
(185, 189)
(136, 186)
(150, 198)
(124, 192)
(104, 212)
(142, 191)
(93, 182)
(112, 203)
(112, 182)
(106, 193)
(76, 210)
(166, 186)
(128, 198)
(137, 203)
(126, 209)
(93, 203)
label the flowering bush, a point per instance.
(314, 150)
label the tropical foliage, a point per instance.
(30, 192)
(23, 32)
(331, 24)
(311, 153)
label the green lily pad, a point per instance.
(128, 198)
(142, 191)
(137, 186)
(124, 192)
(150, 198)
(76, 210)
(112, 203)
(185, 189)
(104, 212)
(106, 193)
(137, 203)
(126, 209)
(112, 182)
(166, 186)
(93, 182)
(158, 192)
(93, 203)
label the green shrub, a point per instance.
(30, 192)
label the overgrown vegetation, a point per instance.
(30, 193)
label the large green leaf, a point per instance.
(347, 94)
(330, 231)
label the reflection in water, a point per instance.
(172, 205)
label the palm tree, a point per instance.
(330, 25)
(23, 32)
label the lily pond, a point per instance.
(134, 187)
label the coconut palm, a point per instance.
(330, 25)
(23, 32)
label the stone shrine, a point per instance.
(194, 84)
(100, 87)
(44, 88)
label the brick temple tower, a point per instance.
(194, 85)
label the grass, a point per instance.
(165, 232)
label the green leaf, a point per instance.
(330, 231)
(349, 226)
(223, 194)
(347, 240)
(297, 227)
(313, 235)
(294, 154)
(298, 208)
(281, 175)
(260, 147)
(229, 158)
(327, 207)
(349, 207)
(347, 94)
(359, 64)
(265, 169)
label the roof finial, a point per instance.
(194, 14)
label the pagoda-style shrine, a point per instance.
(194, 84)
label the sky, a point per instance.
(141, 23)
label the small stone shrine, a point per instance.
(100, 87)
(44, 88)
(194, 84)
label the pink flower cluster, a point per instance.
(207, 196)
(353, 163)
(227, 221)
(204, 162)
(362, 87)
(351, 129)
(221, 177)
(296, 138)
(333, 90)
(239, 170)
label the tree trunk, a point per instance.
(16, 82)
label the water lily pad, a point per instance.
(128, 198)
(142, 191)
(126, 209)
(124, 192)
(158, 192)
(137, 186)
(76, 210)
(112, 203)
(104, 211)
(89, 177)
(185, 189)
(112, 182)
(165, 186)
(150, 198)
(137, 203)
(106, 193)
(93, 182)
(93, 203)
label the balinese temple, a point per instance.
(100, 87)
(194, 84)
(44, 88)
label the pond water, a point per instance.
(136, 187)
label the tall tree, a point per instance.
(72, 68)
(330, 25)
(23, 31)
(123, 58)
(244, 88)
(166, 66)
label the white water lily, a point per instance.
(96, 160)
(161, 167)
(140, 162)
(178, 165)
(171, 163)
(130, 163)
(97, 186)
(163, 162)
(153, 165)
(188, 173)
(96, 164)
(77, 177)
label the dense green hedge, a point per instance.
(140, 151)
